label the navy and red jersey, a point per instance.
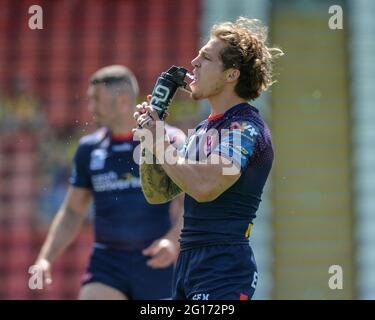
(123, 218)
(243, 137)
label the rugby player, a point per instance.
(224, 186)
(136, 244)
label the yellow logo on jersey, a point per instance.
(247, 233)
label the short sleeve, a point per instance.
(80, 176)
(238, 142)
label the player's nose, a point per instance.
(195, 62)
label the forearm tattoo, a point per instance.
(156, 184)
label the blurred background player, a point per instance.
(135, 243)
(216, 261)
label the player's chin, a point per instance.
(196, 94)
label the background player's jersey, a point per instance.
(123, 218)
(246, 140)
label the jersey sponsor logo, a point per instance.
(244, 126)
(236, 125)
(241, 149)
(110, 181)
(201, 296)
(255, 280)
(232, 151)
(98, 157)
(252, 130)
(200, 143)
(208, 145)
(248, 230)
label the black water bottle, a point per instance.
(165, 89)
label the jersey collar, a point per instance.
(230, 111)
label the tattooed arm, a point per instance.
(156, 185)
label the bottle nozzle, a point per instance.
(190, 76)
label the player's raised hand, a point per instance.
(163, 253)
(145, 116)
(141, 109)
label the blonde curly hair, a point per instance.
(247, 51)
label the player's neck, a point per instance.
(223, 102)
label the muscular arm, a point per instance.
(203, 182)
(156, 184)
(66, 223)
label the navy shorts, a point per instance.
(127, 272)
(217, 272)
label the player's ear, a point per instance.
(233, 74)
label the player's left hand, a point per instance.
(146, 117)
(151, 129)
(163, 253)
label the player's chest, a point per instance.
(201, 143)
(117, 158)
(113, 169)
